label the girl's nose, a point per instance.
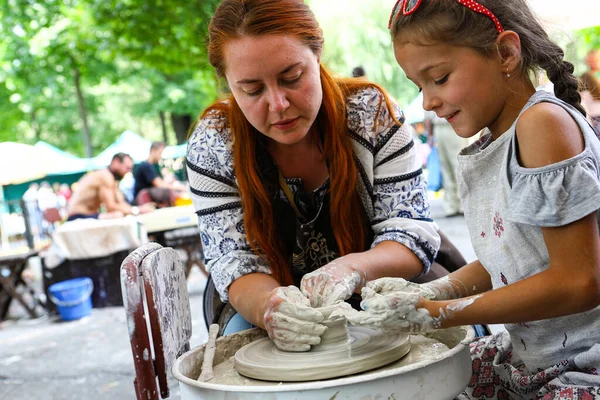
(430, 101)
(278, 101)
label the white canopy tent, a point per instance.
(567, 15)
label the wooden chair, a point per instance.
(52, 217)
(154, 292)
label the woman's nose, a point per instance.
(278, 101)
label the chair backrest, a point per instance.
(52, 215)
(162, 197)
(154, 289)
(143, 197)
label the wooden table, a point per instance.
(93, 248)
(11, 268)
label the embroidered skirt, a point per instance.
(497, 374)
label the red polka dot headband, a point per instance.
(407, 7)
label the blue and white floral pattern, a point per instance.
(392, 188)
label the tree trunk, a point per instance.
(181, 123)
(163, 125)
(36, 126)
(82, 113)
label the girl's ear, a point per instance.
(509, 50)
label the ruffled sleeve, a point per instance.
(218, 205)
(396, 200)
(555, 195)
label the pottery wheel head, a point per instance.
(362, 350)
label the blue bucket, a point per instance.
(72, 298)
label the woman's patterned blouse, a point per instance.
(392, 188)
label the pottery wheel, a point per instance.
(366, 349)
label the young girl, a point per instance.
(530, 190)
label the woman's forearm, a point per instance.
(387, 259)
(249, 294)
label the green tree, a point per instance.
(49, 58)
(76, 73)
(356, 34)
(167, 39)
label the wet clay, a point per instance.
(366, 349)
(422, 348)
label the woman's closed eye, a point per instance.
(291, 80)
(253, 91)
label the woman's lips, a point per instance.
(286, 124)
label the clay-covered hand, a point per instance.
(290, 321)
(385, 286)
(332, 283)
(439, 289)
(399, 311)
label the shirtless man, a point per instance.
(101, 187)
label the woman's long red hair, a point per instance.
(235, 18)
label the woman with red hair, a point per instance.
(306, 185)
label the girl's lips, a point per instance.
(286, 124)
(451, 117)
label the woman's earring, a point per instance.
(507, 73)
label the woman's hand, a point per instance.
(290, 321)
(332, 283)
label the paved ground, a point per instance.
(91, 358)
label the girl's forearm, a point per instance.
(531, 299)
(467, 281)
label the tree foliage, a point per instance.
(356, 34)
(133, 59)
(79, 71)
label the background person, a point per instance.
(34, 214)
(530, 189)
(590, 89)
(448, 144)
(321, 168)
(100, 188)
(592, 60)
(147, 176)
(359, 72)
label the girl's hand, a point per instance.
(392, 312)
(332, 283)
(384, 286)
(444, 288)
(290, 321)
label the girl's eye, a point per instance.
(442, 81)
